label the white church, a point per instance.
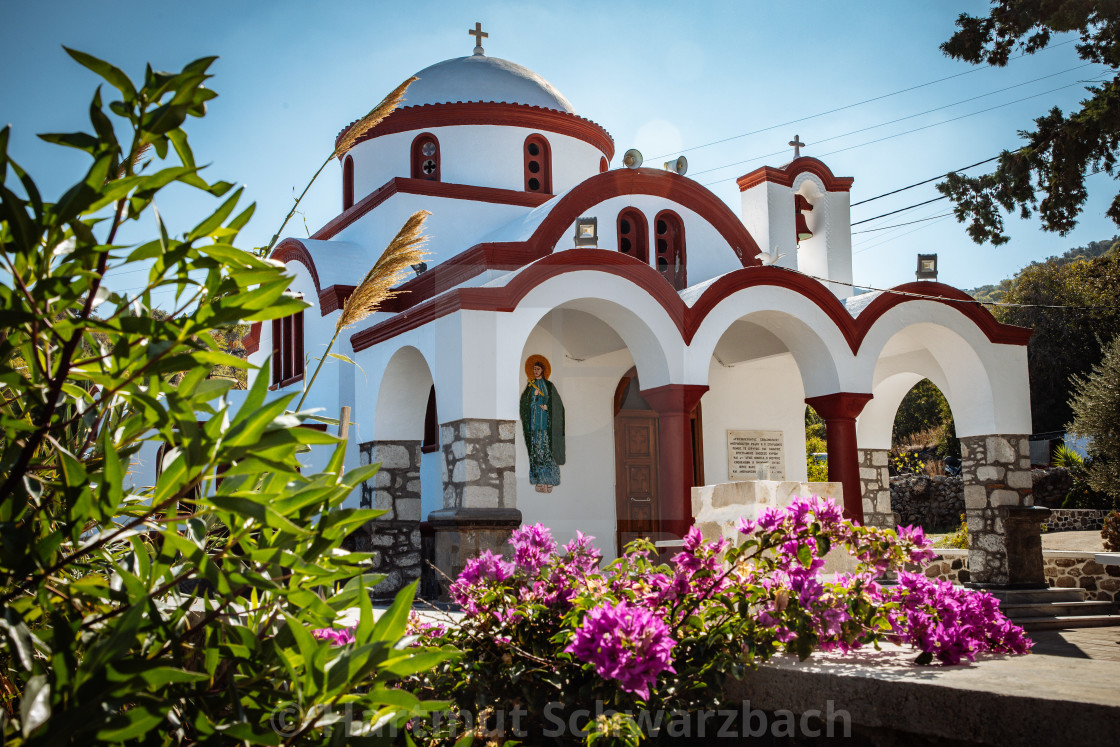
(678, 353)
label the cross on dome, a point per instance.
(797, 146)
(478, 35)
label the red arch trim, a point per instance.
(687, 319)
(410, 118)
(786, 174)
(293, 250)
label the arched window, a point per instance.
(669, 237)
(538, 165)
(425, 157)
(603, 166)
(431, 425)
(633, 234)
(348, 183)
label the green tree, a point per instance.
(1096, 415)
(179, 612)
(1062, 148)
(1074, 308)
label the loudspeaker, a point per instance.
(680, 165)
(632, 159)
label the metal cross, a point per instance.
(797, 146)
(478, 35)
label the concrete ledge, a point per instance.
(999, 700)
(1107, 558)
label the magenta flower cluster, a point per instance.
(646, 626)
(336, 636)
(626, 643)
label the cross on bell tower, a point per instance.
(797, 146)
(478, 35)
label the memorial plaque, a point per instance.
(752, 452)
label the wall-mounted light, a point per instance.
(927, 267)
(420, 268)
(587, 232)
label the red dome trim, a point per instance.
(786, 175)
(409, 118)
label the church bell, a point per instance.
(802, 204)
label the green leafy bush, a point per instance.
(178, 612)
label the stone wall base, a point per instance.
(1062, 570)
(875, 485)
(396, 554)
(461, 534)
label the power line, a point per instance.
(927, 181)
(885, 137)
(901, 210)
(848, 106)
(900, 225)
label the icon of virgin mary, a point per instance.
(542, 419)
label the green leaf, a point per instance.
(35, 704)
(207, 226)
(113, 75)
(391, 625)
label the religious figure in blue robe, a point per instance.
(542, 420)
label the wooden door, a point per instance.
(636, 475)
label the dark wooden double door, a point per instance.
(637, 464)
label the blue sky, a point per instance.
(664, 77)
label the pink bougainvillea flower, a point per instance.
(532, 547)
(336, 636)
(626, 643)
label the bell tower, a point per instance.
(803, 211)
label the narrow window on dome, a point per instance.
(538, 165)
(348, 183)
(603, 165)
(671, 258)
(425, 157)
(633, 234)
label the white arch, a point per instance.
(642, 323)
(402, 397)
(985, 383)
(817, 345)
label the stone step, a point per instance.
(1063, 622)
(1058, 609)
(1037, 596)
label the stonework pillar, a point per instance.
(674, 404)
(840, 411)
(479, 492)
(1004, 532)
(393, 537)
(479, 457)
(875, 480)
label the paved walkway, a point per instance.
(1087, 541)
(1102, 644)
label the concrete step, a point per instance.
(1037, 596)
(1066, 622)
(1015, 611)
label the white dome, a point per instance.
(482, 78)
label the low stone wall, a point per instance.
(1063, 570)
(1075, 519)
(717, 508)
(1050, 486)
(928, 502)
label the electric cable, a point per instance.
(849, 106)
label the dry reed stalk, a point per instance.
(371, 120)
(376, 287)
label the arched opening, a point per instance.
(431, 425)
(603, 166)
(538, 165)
(669, 240)
(348, 183)
(425, 157)
(633, 234)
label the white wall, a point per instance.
(760, 395)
